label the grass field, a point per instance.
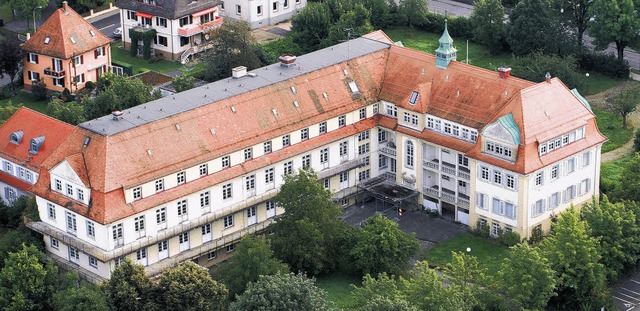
(26, 99)
(610, 125)
(5, 12)
(612, 170)
(338, 288)
(488, 253)
(597, 82)
(139, 64)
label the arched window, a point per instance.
(409, 154)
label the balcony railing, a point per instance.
(447, 195)
(387, 150)
(344, 166)
(448, 168)
(433, 163)
(192, 29)
(54, 73)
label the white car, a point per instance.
(117, 32)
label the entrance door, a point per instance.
(183, 238)
(163, 249)
(463, 216)
(251, 216)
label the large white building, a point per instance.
(260, 13)
(186, 176)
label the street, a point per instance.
(107, 23)
(627, 293)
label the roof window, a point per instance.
(36, 144)
(354, 87)
(414, 98)
(16, 137)
(73, 40)
(93, 34)
(47, 39)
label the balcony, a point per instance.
(464, 173)
(193, 29)
(448, 168)
(447, 195)
(388, 149)
(54, 73)
(344, 166)
(433, 164)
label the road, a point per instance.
(106, 24)
(627, 293)
(449, 7)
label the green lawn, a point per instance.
(338, 287)
(5, 12)
(26, 99)
(139, 64)
(597, 82)
(489, 253)
(612, 170)
(610, 125)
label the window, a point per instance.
(181, 177)
(274, 6)
(162, 40)
(484, 173)
(447, 127)
(365, 160)
(409, 156)
(34, 76)
(554, 200)
(363, 135)
(162, 22)
(286, 140)
(571, 165)
(344, 148)
(304, 134)
(238, 9)
(288, 167)
(231, 248)
(344, 176)
(228, 221)
(98, 53)
(80, 194)
(324, 155)
(137, 193)
(481, 201)
(323, 127)
(91, 230)
(474, 135)
(285, 3)
(391, 110)
(250, 182)
(159, 185)
(586, 158)
(186, 20)
(570, 193)
(585, 186)
(382, 135)
(326, 183)
(204, 169)
(51, 211)
(269, 175)
(71, 223)
(248, 154)
(79, 78)
(456, 130)
(267, 147)
(462, 160)
(375, 109)
(270, 209)
(183, 237)
(93, 261)
(342, 121)
(363, 175)
(498, 149)
(69, 190)
(410, 119)
(78, 60)
(438, 125)
(138, 224)
(363, 149)
(205, 199)
(184, 41)
(495, 229)
(259, 10)
(145, 21)
(212, 255)
(539, 179)
(362, 113)
(496, 206)
(33, 58)
(54, 243)
(74, 254)
(182, 207)
(226, 161)
(141, 254)
(161, 217)
(538, 208)
(206, 229)
(306, 161)
(132, 15)
(226, 192)
(57, 181)
(555, 171)
(163, 246)
(497, 177)
(382, 161)
(511, 181)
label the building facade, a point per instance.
(186, 176)
(261, 13)
(179, 28)
(65, 53)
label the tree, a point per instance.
(283, 291)
(380, 246)
(533, 67)
(26, 8)
(535, 27)
(128, 289)
(352, 23)
(7, 111)
(117, 93)
(307, 236)
(75, 295)
(380, 294)
(487, 20)
(10, 58)
(628, 186)
(310, 26)
(233, 45)
(616, 21)
(413, 12)
(253, 257)
(274, 48)
(574, 255)
(526, 278)
(424, 289)
(70, 112)
(617, 230)
(26, 281)
(466, 280)
(183, 83)
(380, 13)
(624, 102)
(190, 287)
(577, 12)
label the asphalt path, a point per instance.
(627, 293)
(106, 24)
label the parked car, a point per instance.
(117, 32)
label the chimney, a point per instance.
(547, 76)
(504, 71)
(28, 36)
(65, 6)
(117, 115)
(239, 72)
(287, 60)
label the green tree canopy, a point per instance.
(10, 58)
(253, 257)
(413, 12)
(380, 294)
(624, 102)
(190, 287)
(380, 246)
(128, 289)
(283, 291)
(74, 295)
(577, 13)
(310, 26)
(353, 23)
(183, 83)
(308, 235)
(533, 67)
(424, 289)
(628, 187)
(616, 21)
(526, 278)
(574, 255)
(117, 93)
(233, 46)
(535, 27)
(487, 20)
(466, 280)
(25, 8)
(70, 112)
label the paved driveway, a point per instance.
(627, 293)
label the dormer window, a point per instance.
(499, 150)
(16, 137)
(36, 144)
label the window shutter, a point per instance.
(95, 54)
(81, 59)
(36, 58)
(53, 64)
(82, 77)
(30, 75)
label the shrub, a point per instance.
(636, 141)
(90, 85)
(6, 92)
(55, 95)
(536, 235)
(39, 90)
(606, 64)
(509, 238)
(66, 95)
(481, 230)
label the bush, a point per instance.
(90, 85)
(55, 95)
(509, 238)
(39, 90)
(606, 64)
(481, 230)
(534, 66)
(536, 235)
(636, 141)
(6, 92)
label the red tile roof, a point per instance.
(63, 25)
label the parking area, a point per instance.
(627, 293)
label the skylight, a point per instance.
(414, 98)
(73, 40)
(354, 87)
(47, 39)
(93, 34)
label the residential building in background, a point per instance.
(260, 13)
(65, 53)
(179, 28)
(186, 176)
